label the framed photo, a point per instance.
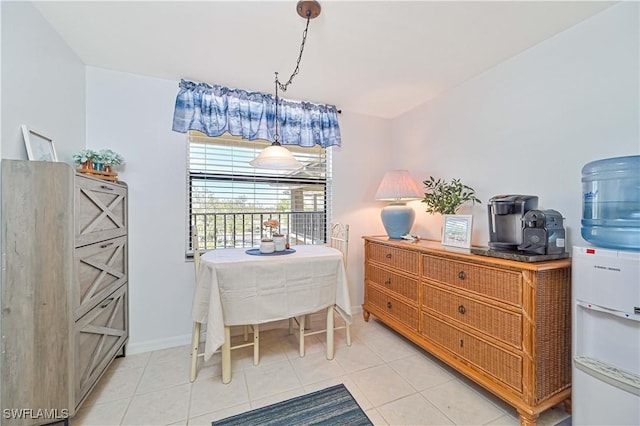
(456, 231)
(39, 146)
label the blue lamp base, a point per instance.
(397, 219)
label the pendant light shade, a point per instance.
(276, 157)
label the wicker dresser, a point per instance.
(504, 324)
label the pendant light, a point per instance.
(277, 156)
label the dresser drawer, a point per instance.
(495, 283)
(504, 366)
(100, 268)
(407, 287)
(498, 323)
(99, 335)
(392, 306)
(404, 260)
(101, 210)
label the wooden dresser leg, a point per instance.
(527, 419)
(567, 405)
(365, 314)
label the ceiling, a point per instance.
(380, 58)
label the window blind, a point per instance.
(228, 199)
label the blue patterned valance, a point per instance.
(214, 110)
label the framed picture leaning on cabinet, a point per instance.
(39, 147)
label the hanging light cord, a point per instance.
(283, 87)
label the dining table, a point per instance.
(239, 286)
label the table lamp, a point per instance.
(398, 187)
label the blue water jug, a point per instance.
(611, 202)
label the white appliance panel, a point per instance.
(607, 278)
(603, 335)
(599, 403)
(606, 337)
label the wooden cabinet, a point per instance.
(504, 324)
(64, 288)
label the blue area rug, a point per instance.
(330, 406)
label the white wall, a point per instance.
(43, 84)
(132, 115)
(528, 125)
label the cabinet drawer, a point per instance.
(491, 282)
(101, 211)
(502, 365)
(498, 323)
(392, 306)
(403, 260)
(99, 335)
(396, 283)
(100, 268)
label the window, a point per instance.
(229, 200)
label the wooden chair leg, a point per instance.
(348, 330)
(256, 344)
(195, 344)
(291, 325)
(246, 333)
(301, 319)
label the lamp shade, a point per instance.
(398, 186)
(275, 157)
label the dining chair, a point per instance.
(195, 337)
(338, 239)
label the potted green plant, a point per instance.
(110, 158)
(85, 158)
(447, 197)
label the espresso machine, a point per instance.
(542, 232)
(505, 220)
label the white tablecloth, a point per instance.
(235, 288)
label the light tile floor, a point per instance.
(394, 381)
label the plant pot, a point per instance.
(87, 165)
(107, 168)
(280, 242)
(267, 246)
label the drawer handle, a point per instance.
(107, 302)
(389, 305)
(461, 275)
(461, 343)
(461, 309)
(108, 188)
(388, 281)
(106, 245)
(388, 256)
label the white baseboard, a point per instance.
(185, 339)
(154, 345)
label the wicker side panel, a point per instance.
(502, 365)
(495, 283)
(498, 323)
(406, 261)
(393, 307)
(553, 332)
(400, 284)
